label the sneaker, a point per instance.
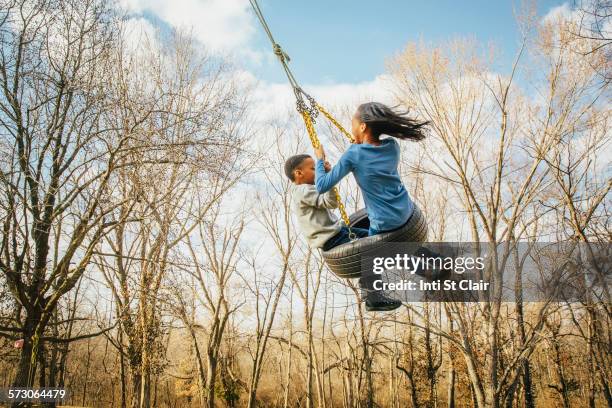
(376, 301)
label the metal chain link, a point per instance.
(311, 107)
(344, 215)
(335, 123)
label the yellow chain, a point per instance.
(312, 133)
(314, 139)
(343, 213)
(335, 123)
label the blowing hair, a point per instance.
(383, 120)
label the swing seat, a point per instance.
(345, 260)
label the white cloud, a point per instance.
(588, 15)
(274, 100)
(227, 27)
(221, 25)
(137, 32)
(555, 14)
(379, 89)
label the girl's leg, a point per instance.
(433, 274)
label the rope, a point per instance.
(283, 57)
(308, 111)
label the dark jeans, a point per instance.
(374, 231)
(342, 237)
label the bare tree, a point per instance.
(58, 158)
(132, 273)
(593, 23)
(267, 290)
(456, 92)
(211, 277)
(184, 160)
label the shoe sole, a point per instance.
(382, 309)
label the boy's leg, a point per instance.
(376, 300)
(360, 232)
(342, 237)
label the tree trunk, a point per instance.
(136, 380)
(309, 399)
(526, 368)
(145, 390)
(450, 395)
(289, 353)
(528, 385)
(211, 374)
(26, 368)
(562, 387)
(122, 369)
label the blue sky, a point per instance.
(348, 41)
(338, 48)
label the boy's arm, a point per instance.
(325, 181)
(311, 197)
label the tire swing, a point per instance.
(344, 260)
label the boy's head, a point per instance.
(300, 169)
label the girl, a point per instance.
(374, 161)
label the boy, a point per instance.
(321, 228)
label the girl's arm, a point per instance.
(325, 181)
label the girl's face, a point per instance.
(358, 128)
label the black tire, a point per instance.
(345, 260)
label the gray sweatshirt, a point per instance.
(314, 218)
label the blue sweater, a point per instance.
(375, 168)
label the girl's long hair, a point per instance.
(383, 120)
